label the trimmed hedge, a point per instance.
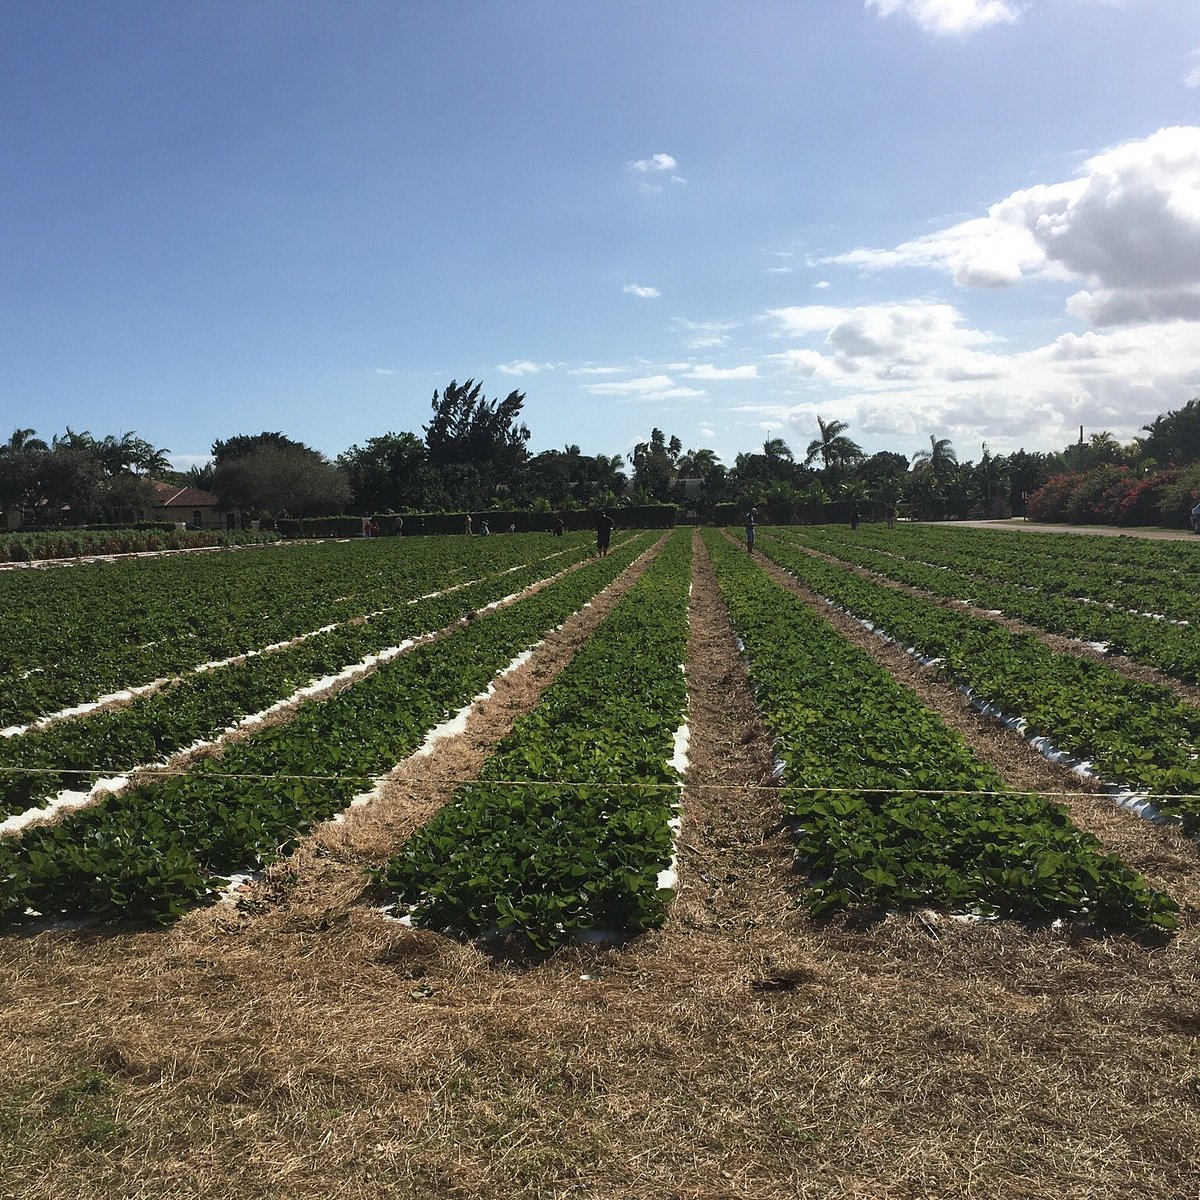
(789, 512)
(634, 516)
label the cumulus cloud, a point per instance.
(704, 335)
(949, 17)
(522, 366)
(653, 164)
(898, 370)
(708, 371)
(1128, 226)
(646, 293)
(648, 387)
(1192, 78)
(807, 364)
(880, 344)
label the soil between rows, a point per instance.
(313, 1049)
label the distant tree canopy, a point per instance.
(76, 477)
(271, 475)
(474, 455)
(247, 443)
(469, 430)
(392, 473)
(1173, 439)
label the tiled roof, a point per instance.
(171, 495)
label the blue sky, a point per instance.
(972, 218)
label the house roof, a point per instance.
(171, 495)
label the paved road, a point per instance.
(1102, 530)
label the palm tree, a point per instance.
(834, 449)
(23, 439)
(933, 470)
(938, 458)
(777, 450)
(695, 464)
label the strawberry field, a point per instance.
(182, 721)
(488, 867)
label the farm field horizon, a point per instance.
(864, 865)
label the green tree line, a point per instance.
(474, 454)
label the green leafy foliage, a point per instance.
(150, 852)
(543, 862)
(1136, 735)
(895, 809)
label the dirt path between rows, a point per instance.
(314, 1049)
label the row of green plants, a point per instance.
(73, 754)
(1173, 649)
(155, 850)
(1136, 735)
(70, 637)
(567, 828)
(49, 544)
(1138, 574)
(890, 807)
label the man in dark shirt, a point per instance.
(604, 528)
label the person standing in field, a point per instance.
(890, 514)
(559, 527)
(604, 528)
(855, 516)
(751, 522)
(467, 525)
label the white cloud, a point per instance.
(1105, 308)
(679, 179)
(950, 17)
(708, 371)
(657, 162)
(646, 293)
(385, 370)
(880, 344)
(1128, 226)
(185, 462)
(896, 371)
(808, 364)
(597, 371)
(807, 318)
(705, 335)
(648, 387)
(522, 366)
(1192, 78)
(779, 270)
(821, 284)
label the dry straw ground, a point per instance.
(303, 1046)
